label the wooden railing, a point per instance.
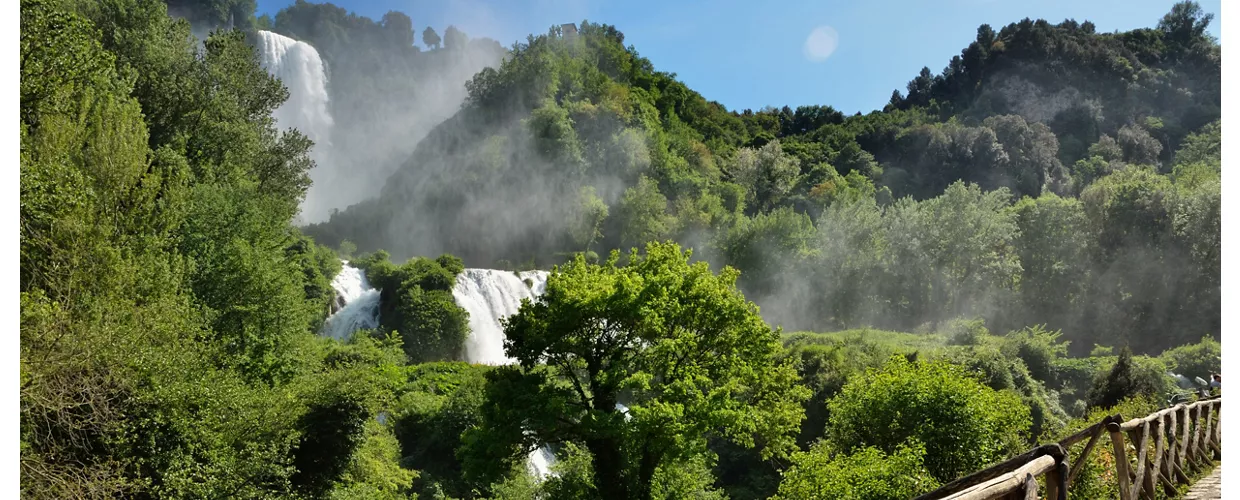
(1184, 438)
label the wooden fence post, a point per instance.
(1121, 460)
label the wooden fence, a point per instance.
(1184, 438)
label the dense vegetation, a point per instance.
(1055, 186)
(416, 303)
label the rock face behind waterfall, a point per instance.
(491, 295)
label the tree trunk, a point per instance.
(608, 469)
(645, 473)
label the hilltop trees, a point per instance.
(430, 38)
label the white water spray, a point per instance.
(356, 307)
(299, 67)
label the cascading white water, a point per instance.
(299, 67)
(357, 302)
(490, 295)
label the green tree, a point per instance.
(643, 213)
(1139, 146)
(1185, 23)
(430, 38)
(399, 28)
(1130, 376)
(1054, 248)
(416, 301)
(963, 424)
(677, 344)
(588, 219)
(767, 172)
(454, 39)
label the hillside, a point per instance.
(582, 146)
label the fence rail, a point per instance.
(1184, 438)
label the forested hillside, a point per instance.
(1050, 174)
(1008, 251)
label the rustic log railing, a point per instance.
(1184, 438)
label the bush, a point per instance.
(1006, 371)
(963, 424)
(868, 474)
(1039, 349)
(961, 331)
(1195, 360)
(416, 300)
(1130, 376)
(441, 401)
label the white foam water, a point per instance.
(491, 295)
(357, 302)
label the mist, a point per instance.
(369, 143)
(384, 94)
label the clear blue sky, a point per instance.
(749, 54)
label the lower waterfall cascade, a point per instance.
(489, 295)
(356, 306)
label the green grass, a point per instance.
(898, 341)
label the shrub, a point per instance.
(1130, 376)
(868, 474)
(1039, 349)
(1195, 360)
(963, 424)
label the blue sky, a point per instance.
(749, 54)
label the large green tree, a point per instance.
(676, 344)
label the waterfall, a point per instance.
(490, 295)
(356, 306)
(298, 66)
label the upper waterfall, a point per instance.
(299, 67)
